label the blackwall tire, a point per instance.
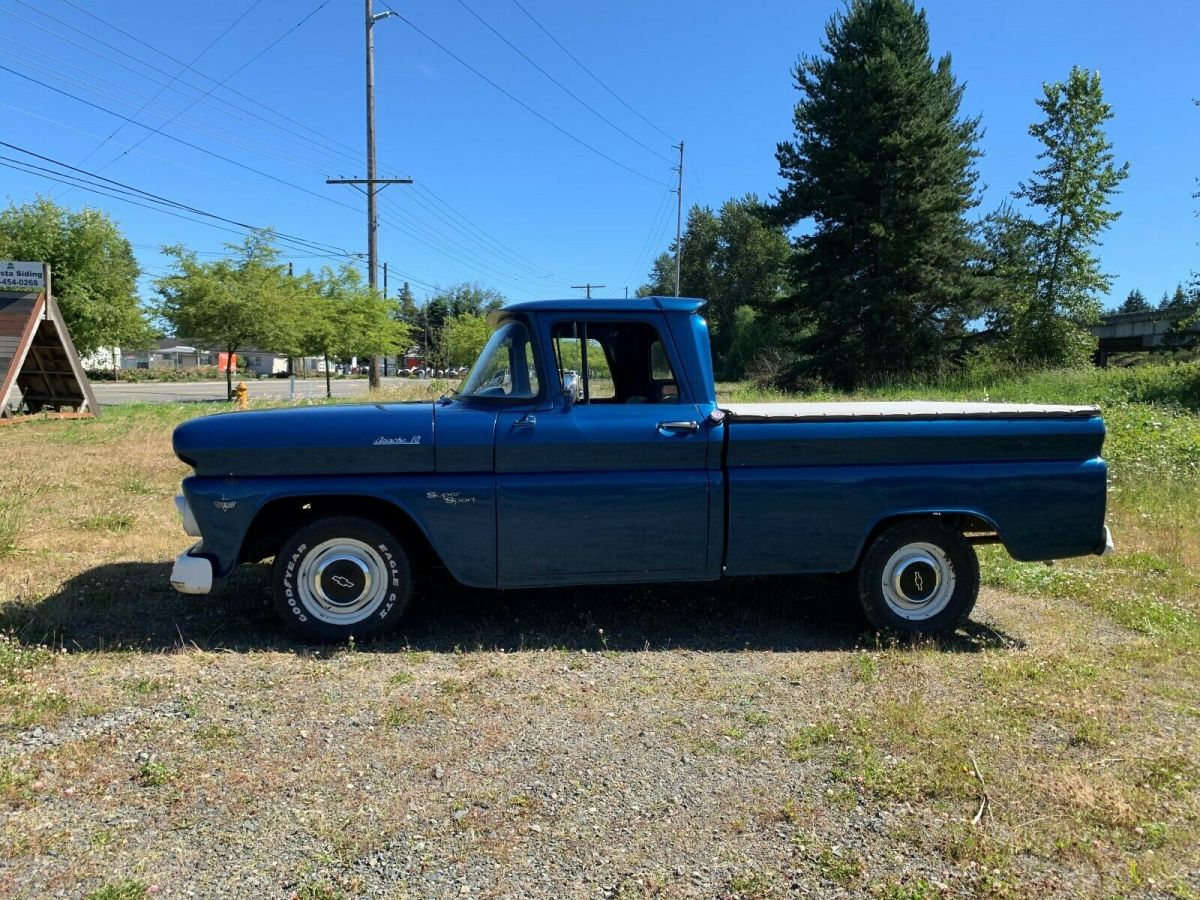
(919, 576)
(342, 577)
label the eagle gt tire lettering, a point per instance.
(342, 576)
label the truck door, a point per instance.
(610, 484)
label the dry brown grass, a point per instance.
(751, 735)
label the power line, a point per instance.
(321, 143)
(436, 247)
(438, 234)
(437, 199)
(590, 73)
(180, 140)
(159, 157)
(482, 268)
(220, 37)
(647, 244)
(111, 184)
(225, 108)
(522, 103)
(347, 150)
(221, 83)
(562, 86)
(199, 127)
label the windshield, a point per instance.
(505, 367)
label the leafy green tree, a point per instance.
(662, 278)
(448, 303)
(1069, 199)
(882, 171)
(462, 338)
(1135, 302)
(317, 330)
(738, 262)
(92, 266)
(363, 322)
(243, 300)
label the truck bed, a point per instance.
(900, 411)
(809, 482)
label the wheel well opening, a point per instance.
(279, 519)
(975, 528)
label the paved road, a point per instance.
(267, 388)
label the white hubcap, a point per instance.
(342, 581)
(918, 581)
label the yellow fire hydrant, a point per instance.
(242, 395)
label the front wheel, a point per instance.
(920, 576)
(342, 577)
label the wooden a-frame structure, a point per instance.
(38, 358)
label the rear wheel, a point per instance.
(919, 576)
(340, 577)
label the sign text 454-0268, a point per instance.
(22, 276)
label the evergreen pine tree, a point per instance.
(1135, 302)
(883, 167)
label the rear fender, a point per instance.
(964, 519)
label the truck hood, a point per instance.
(322, 440)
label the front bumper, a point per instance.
(192, 574)
(1107, 546)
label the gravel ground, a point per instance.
(747, 742)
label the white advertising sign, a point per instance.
(22, 276)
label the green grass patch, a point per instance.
(1116, 589)
(801, 745)
(17, 660)
(114, 522)
(14, 503)
(126, 889)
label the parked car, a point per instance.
(628, 470)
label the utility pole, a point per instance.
(679, 218)
(291, 370)
(385, 297)
(587, 287)
(371, 182)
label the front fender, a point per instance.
(456, 514)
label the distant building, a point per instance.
(264, 364)
(181, 353)
(106, 358)
(170, 353)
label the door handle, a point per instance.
(677, 427)
(526, 421)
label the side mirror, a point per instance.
(572, 388)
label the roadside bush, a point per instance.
(195, 373)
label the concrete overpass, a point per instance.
(1136, 332)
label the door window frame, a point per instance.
(655, 320)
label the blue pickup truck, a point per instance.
(586, 445)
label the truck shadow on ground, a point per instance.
(130, 606)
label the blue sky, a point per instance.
(508, 200)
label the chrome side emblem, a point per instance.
(224, 504)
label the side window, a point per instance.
(614, 362)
